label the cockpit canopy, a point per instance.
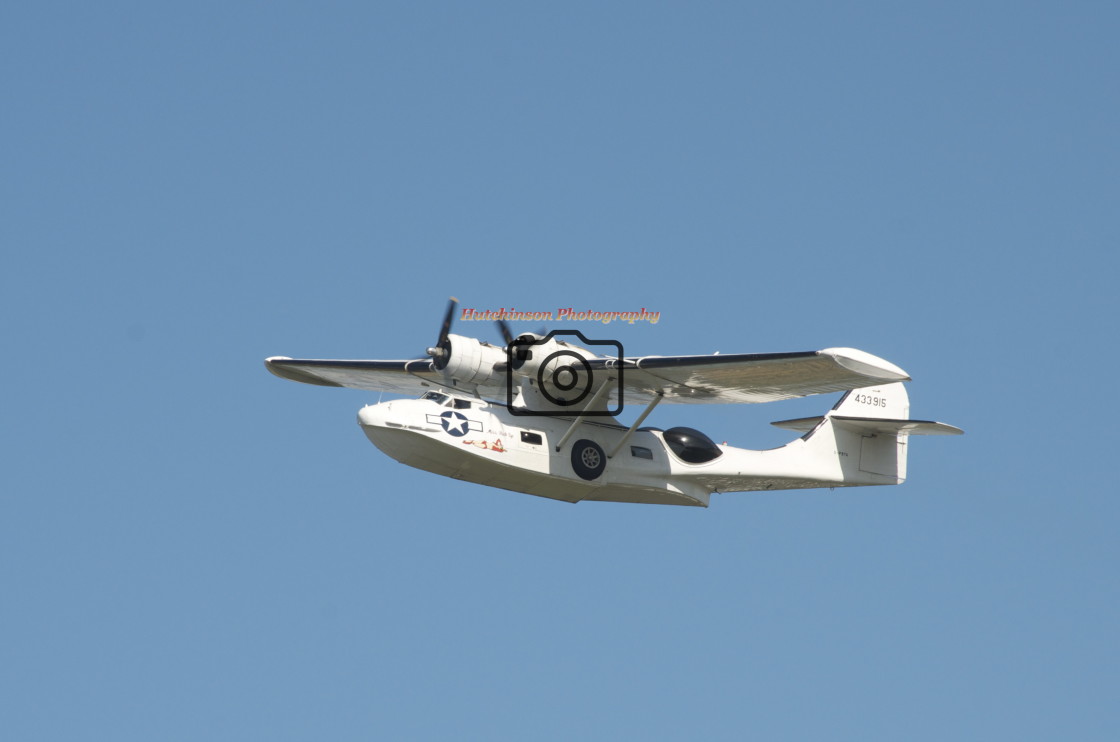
(445, 400)
(691, 445)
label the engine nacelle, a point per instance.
(471, 362)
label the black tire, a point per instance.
(588, 459)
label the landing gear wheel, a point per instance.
(588, 459)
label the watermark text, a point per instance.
(569, 314)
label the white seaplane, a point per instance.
(537, 416)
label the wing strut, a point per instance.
(599, 394)
(641, 418)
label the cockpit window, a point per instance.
(435, 397)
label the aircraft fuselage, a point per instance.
(483, 442)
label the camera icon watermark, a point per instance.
(550, 377)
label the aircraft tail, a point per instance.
(868, 429)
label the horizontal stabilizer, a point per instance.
(800, 424)
(872, 425)
(896, 427)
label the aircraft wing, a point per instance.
(402, 377)
(713, 379)
(749, 378)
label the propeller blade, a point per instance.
(446, 327)
(503, 328)
(441, 351)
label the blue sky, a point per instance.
(192, 549)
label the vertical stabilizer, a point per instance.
(885, 401)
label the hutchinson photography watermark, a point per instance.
(570, 314)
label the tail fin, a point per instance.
(872, 425)
(878, 409)
(883, 402)
(884, 409)
(886, 401)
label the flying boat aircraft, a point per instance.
(537, 415)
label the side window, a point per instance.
(462, 404)
(691, 446)
(641, 452)
(533, 438)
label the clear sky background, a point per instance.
(193, 549)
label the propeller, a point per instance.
(441, 351)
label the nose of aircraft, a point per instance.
(373, 415)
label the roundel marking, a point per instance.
(454, 423)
